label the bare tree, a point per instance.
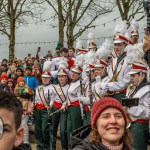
(72, 14)
(13, 14)
(128, 9)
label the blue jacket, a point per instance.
(31, 81)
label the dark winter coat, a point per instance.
(4, 87)
(23, 147)
(79, 140)
(147, 57)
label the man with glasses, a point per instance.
(11, 134)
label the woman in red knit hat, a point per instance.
(108, 129)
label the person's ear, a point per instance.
(19, 137)
(143, 76)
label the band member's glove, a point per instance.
(63, 107)
(84, 100)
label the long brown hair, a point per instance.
(94, 138)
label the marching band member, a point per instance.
(75, 109)
(134, 26)
(138, 114)
(43, 102)
(87, 98)
(100, 77)
(118, 69)
(60, 92)
(91, 46)
(25, 95)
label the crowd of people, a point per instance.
(82, 90)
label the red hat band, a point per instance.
(91, 66)
(120, 37)
(80, 69)
(103, 63)
(135, 66)
(62, 71)
(82, 50)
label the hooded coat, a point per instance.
(79, 140)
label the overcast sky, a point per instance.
(44, 33)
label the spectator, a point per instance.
(19, 73)
(11, 85)
(30, 80)
(24, 94)
(3, 83)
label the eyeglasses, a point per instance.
(1, 127)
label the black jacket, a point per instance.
(79, 140)
(147, 57)
(23, 147)
(4, 87)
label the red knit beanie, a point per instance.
(20, 79)
(101, 105)
(4, 75)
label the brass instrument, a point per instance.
(113, 79)
(90, 86)
(81, 104)
(48, 109)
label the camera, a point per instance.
(130, 102)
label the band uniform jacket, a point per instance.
(45, 89)
(123, 78)
(74, 91)
(140, 111)
(64, 90)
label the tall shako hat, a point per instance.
(63, 64)
(79, 47)
(138, 67)
(90, 60)
(119, 32)
(104, 52)
(134, 27)
(134, 58)
(101, 63)
(46, 74)
(78, 64)
(47, 69)
(90, 42)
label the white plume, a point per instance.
(105, 50)
(63, 64)
(128, 34)
(120, 27)
(79, 60)
(89, 57)
(47, 65)
(90, 38)
(134, 24)
(79, 44)
(134, 53)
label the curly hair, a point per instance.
(94, 138)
